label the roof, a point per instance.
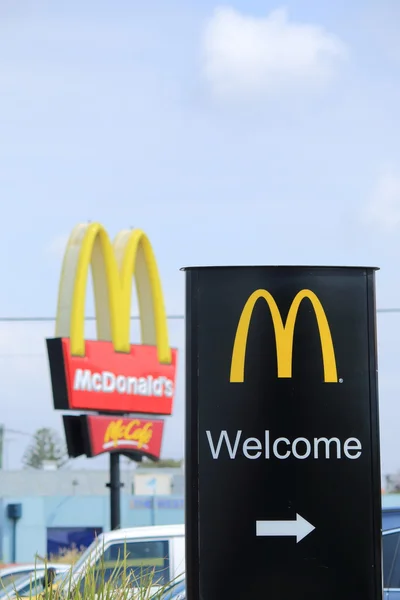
(77, 482)
(38, 566)
(138, 532)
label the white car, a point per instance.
(176, 591)
(9, 574)
(33, 583)
(156, 551)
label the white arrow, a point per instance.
(299, 528)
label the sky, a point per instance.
(242, 133)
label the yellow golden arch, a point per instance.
(283, 335)
(113, 266)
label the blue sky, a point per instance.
(241, 133)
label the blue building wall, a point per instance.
(40, 513)
(391, 501)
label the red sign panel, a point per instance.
(109, 381)
(108, 434)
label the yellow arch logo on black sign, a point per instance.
(283, 336)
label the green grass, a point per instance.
(122, 584)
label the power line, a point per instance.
(52, 319)
(133, 317)
(7, 430)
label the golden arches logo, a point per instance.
(283, 336)
(113, 266)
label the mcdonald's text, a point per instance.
(110, 381)
(87, 381)
(107, 434)
(282, 448)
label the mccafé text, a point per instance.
(236, 445)
(135, 430)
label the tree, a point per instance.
(46, 445)
(393, 483)
(166, 463)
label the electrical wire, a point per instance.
(133, 318)
(52, 319)
(16, 431)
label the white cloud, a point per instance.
(253, 56)
(383, 208)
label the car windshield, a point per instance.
(90, 551)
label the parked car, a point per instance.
(157, 551)
(390, 518)
(391, 563)
(10, 574)
(176, 591)
(34, 583)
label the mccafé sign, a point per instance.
(110, 374)
(107, 434)
(96, 434)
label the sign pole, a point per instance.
(282, 458)
(115, 486)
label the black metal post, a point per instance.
(14, 513)
(14, 542)
(115, 496)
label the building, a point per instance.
(62, 508)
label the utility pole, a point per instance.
(1, 445)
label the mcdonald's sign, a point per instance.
(282, 404)
(110, 374)
(284, 333)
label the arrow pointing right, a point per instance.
(299, 528)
